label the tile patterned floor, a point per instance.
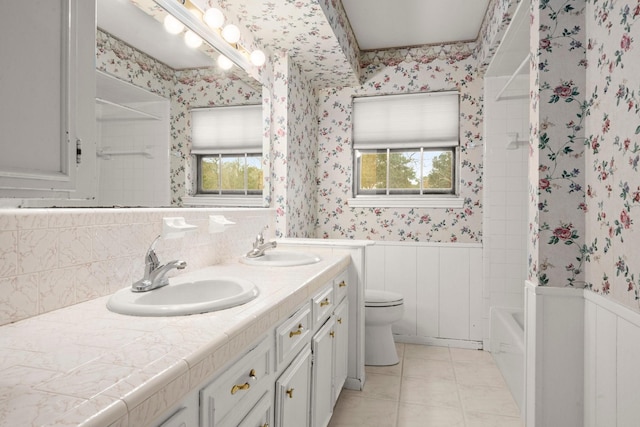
(430, 387)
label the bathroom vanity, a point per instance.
(271, 361)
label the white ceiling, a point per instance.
(382, 24)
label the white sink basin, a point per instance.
(200, 292)
(281, 258)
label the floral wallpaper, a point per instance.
(314, 34)
(613, 150)
(556, 176)
(293, 150)
(453, 68)
(496, 21)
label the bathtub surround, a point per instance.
(505, 222)
(53, 258)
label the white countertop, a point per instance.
(84, 365)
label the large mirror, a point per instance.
(148, 81)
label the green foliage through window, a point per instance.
(230, 174)
(408, 171)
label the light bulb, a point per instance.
(172, 25)
(231, 33)
(214, 18)
(224, 62)
(257, 58)
(192, 39)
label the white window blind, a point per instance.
(220, 130)
(406, 121)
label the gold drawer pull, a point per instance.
(324, 302)
(236, 388)
(290, 393)
(333, 334)
(298, 332)
(340, 320)
(342, 284)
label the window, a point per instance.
(226, 174)
(406, 145)
(227, 144)
(416, 171)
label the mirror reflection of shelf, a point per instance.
(111, 111)
(106, 153)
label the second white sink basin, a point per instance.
(199, 292)
(281, 258)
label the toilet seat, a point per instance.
(376, 298)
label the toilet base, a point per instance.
(380, 349)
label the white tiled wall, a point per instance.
(134, 180)
(52, 258)
(505, 195)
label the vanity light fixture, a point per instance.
(231, 34)
(192, 39)
(257, 58)
(172, 25)
(213, 18)
(208, 26)
(224, 62)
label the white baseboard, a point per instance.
(440, 342)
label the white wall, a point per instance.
(505, 195)
(442, 288)
(611, 374)
(134, 179)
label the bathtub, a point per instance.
(507, 348)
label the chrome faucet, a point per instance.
(259, 245)
(154, 273)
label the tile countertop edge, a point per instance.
(172, 384)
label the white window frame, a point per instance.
(210, 145)
(380, 134)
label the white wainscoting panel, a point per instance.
(554, 337)
(442, 288)
(428, 291)
(611, 374)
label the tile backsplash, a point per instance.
(53, 258)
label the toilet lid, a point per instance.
(375, 298)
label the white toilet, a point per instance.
(381, 309)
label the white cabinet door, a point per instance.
(341, 348)
(322, 374)
(47, 92)
(292, 392)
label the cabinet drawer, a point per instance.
(293, 334)
(340, 286)
(322, 304)
(241, 384)
(261, 414)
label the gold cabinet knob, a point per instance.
(342, 284)
(324, 302)
(333, 334)
(296, 332)
(252, 374)
(340, 320)
(290, 393)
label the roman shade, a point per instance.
(223, 130)
(406, 121)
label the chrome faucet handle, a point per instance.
(151, 258)
(260, 237)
